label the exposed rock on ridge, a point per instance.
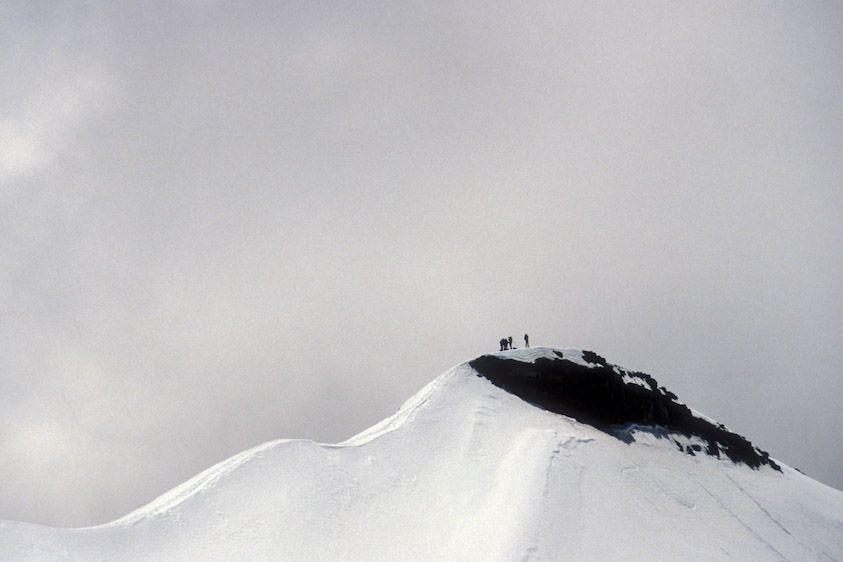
(616, 401)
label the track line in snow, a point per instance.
(758, 505)
(749, 529)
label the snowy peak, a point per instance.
(584, 386)
(469, 470)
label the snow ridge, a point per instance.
(467, 470)
(205, 479)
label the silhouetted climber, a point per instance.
(503, 344)
(510, 342)
(526, 340)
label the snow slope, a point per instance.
(467, 471)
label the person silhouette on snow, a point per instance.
(503, 344)
(526, 340)
(509, 341)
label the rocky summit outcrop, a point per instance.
(586, 387)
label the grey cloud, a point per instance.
(282, 221)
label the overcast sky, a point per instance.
(221, 225)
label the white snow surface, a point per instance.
(466, 471)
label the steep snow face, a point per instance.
(468, 471)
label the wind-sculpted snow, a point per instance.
(584, 386)
(468, 471)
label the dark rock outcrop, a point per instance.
(614, 400)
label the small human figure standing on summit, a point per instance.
(526, 340)
(510, 342)
(503, 344)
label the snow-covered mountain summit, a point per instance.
(535, 454)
